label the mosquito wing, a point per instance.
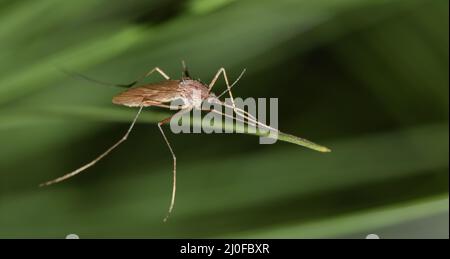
(150, 94)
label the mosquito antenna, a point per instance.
(233, 84)
(78, 76)
(185, 69)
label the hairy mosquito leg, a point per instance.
(174, 158)
(86, 166)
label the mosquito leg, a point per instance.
(233, 84)
(222, 71)
(157, 69)
(86, 166)
(244, 114)
(174, 158)
(251, 119)
(78, 75)
(250, 123)
(238, 111)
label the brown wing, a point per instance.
(149, 94)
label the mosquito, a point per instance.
(161, 94)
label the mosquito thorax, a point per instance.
(194, 91)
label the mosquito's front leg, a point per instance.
(238, 111)
(174, 187)
(222, 71)
(213, 82)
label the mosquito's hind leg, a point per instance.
(174, 158)
(86, 166)
(78, 75)
(157, 69)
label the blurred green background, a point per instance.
(369, 79)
